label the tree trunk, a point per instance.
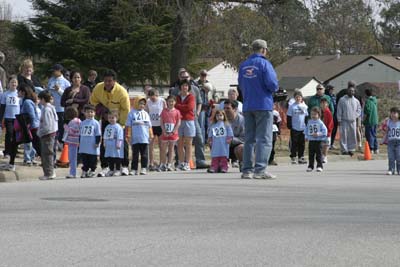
(180, 45)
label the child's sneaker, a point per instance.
(134, 172)
(125, 171)
(110, 173)
(70, 176)
(169, 167)
(389, 173)
(90, 174)
(117, 173)
(224, 170)
(309, 169)
(28, 163)
(302, 160)
(324, 159)
(152, 168)
(103, 172)
(143, 171)
(319, 169)
(293, 160)
(186, 167)
(211, 170)
(83, 175)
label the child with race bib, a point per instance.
(220, 135)
(154, 107)
(393, 141)
(10, 106)
(170, 122)
(89, 145)
(316, 133)
(113, 143)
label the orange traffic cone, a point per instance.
(63, 162)
(367, 151)
(191, 165)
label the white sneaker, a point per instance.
(117, 173)
(10, 168)
(309, 169)
(294, 161)
(169, 167)
(125, 171)
(103, 172)
(70, 176)
(90, 174)
(265, 175)
(83, 175)
(319, 169)
(389, 173)
(325, 160)
(186, 167)
(132, 172)
(44, 177)
(143, 171)
(110, 173)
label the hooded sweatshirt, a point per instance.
(371, 111)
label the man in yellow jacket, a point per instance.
(110, 95)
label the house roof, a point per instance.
(290, 83)
(327, 67)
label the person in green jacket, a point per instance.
(315, 100)
(371, 120)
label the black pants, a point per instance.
(103, 160)
(114, 163)
(89, 161)
(297, 144)
(10, 144)
(272, 156)
(334, 130)
(60, 132)
(314, 151)
(143, 150)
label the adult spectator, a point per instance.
(330, 92)
(207, 93)
(3, 73)
(258, 81)
(370, 120)
(56, 86)
(77, 95)
(198, 139)
(349, 109)
(27, 77)
(146, 90)
(315, 100)
(110, 95)
(237, 123)
(233, 95)
(91, 80)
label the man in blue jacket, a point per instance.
(258, 82)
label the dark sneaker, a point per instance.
(202, 165)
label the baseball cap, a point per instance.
(57, 67)
(258, 44)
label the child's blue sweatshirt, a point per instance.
(315, 126)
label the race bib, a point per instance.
(12, 101)
(87, 130)
(312, 128)
(219, 131)
(140, 116)
(394, 133)
(109, 133)
(154, 116)
(169, 127)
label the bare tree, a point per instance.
(5, 11)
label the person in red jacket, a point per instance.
(327, 118)
(186, 104)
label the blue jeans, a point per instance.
(370, 135)
(29, 152)
(72, 158)
(393, 151)
(258, 136)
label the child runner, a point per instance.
(393, 137)
(315, 133)
(10, 106)
(220, 135)
(71, 138)
(89, 145)
(113, 142)
(154, 107)
(185, 103)
(296, 122)
(170, 122)
(47, 131)
(139, 124)
(327, 118)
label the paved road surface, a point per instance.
(349, 215)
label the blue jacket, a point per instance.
(318, 127)
(257, 81)
(29, 108)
